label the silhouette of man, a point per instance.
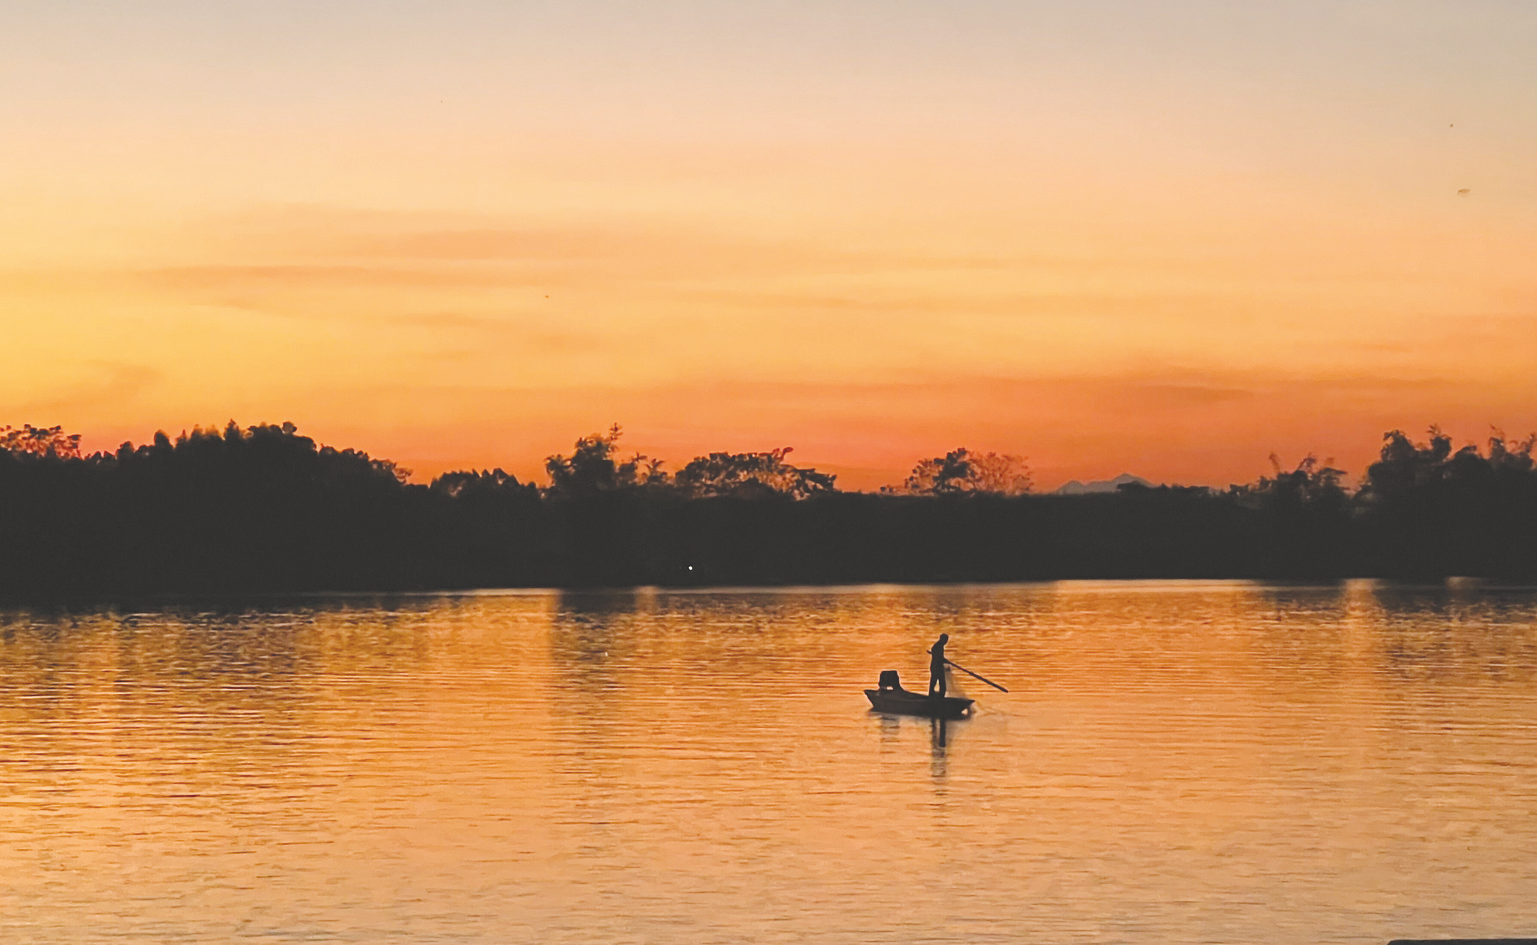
(937, 666)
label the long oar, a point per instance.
(970, 673)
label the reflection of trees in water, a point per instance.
(590, 644)
(150, 653)
(183, 696)
(588, 638)
(1456, 599)
(1458, 630)
(1312, 600)
(1303, 621)
(612, 638)
(1441, 638)
(583, 604)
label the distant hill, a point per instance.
(1101, 485)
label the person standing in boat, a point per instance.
(937, 663)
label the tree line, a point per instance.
(266, 509)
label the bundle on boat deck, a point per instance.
(891, 697)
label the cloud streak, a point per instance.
(113, 385)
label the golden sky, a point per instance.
(1169, 238)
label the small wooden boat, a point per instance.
(901, 702)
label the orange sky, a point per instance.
(1169, 238)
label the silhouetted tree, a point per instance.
(1405, 467)
(1431, 510)
(233, 509)
(1305, 516)
(962, 471)
(747, 475)
(591, 468)
(1310, 485)
(471, 483)
(1513, 458)
(40, 441)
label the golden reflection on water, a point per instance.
(1174, 762)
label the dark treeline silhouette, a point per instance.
(264, 508)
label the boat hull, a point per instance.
(902, 702)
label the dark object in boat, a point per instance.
(891, 697)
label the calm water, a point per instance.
(1174, 763)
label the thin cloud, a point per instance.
(225, 277)
(115, 384)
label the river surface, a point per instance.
(1174, 762)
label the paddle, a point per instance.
(970, 673)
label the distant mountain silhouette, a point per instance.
(1101, 485)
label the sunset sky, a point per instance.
(1168, 238)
